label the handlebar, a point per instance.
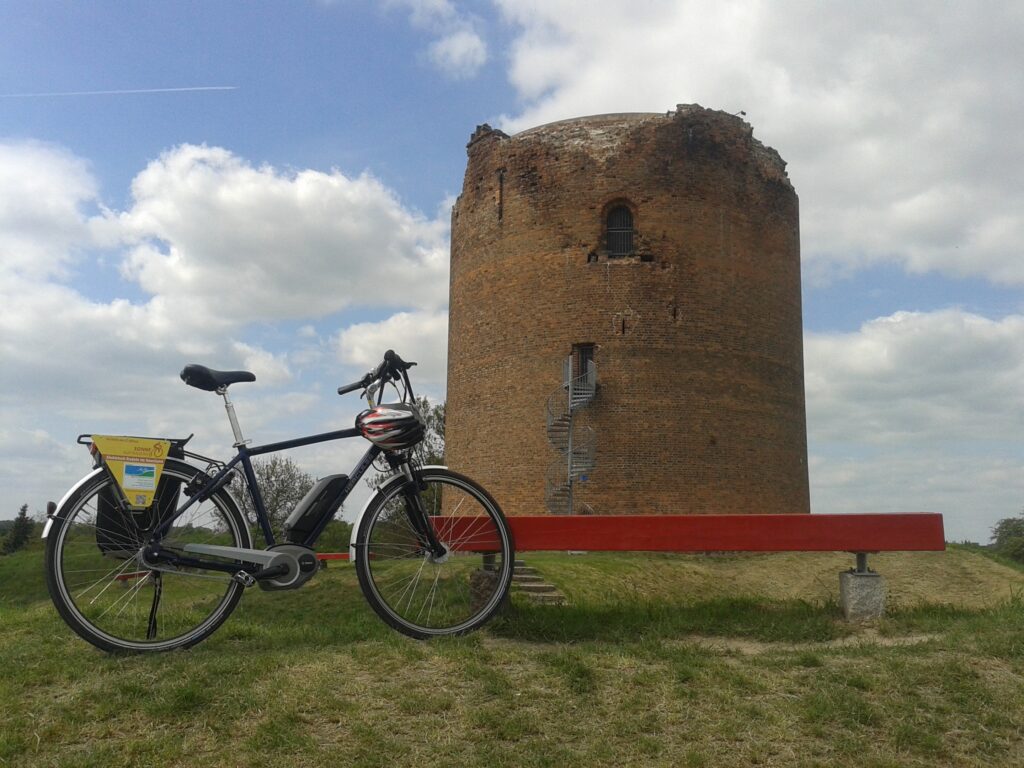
(352, 387)
(391, 368)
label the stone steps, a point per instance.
(537, 588)
(528, 578)
(553, 599)
(527, 581)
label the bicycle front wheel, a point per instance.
(106, 593)
(422, 594)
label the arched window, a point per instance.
(619, 231)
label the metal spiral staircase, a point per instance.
(575, 444)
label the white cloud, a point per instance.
(265, 365)
(948, 375)
(215, 235)
(459, 54)
(43, 191)
(419, 336)
(900, 122)
(971, 492)
(37, 468)
(458, 50)
(919, 408)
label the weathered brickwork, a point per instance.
(700, 406)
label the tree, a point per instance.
(282, 485)
(19, 534)
(1008, 537)
(336, 537)
(431, 450)
(1015, 549)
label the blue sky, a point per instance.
(319, 85)
(295, 221)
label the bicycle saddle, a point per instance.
(201, 377)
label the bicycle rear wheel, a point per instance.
(103, 590)
(416, 592)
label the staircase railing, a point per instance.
(577, 446)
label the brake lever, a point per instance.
(369, 392)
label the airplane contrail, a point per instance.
(120, 92)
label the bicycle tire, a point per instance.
(117, 603)
(457, 595)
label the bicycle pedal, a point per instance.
(245, 579)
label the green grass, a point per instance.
(659, 660)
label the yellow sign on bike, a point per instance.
(135, 463)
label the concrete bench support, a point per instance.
(862, 592)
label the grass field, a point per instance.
(659, 660)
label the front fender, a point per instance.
(359, 518)
(67, 496)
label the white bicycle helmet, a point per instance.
(392, 426)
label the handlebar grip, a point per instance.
(350, 387)
(391, 366)
(363, 383)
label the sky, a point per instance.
(268, 186)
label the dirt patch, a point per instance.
(866, 637)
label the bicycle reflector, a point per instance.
(393, 427)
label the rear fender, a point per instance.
(67, 496)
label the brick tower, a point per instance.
(625, 327)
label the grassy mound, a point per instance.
(661, 660)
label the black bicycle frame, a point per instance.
(244, 457)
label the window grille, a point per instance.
(619, 230)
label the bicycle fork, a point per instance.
(418, 516)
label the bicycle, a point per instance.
(149, 552)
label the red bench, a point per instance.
(914, 532)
